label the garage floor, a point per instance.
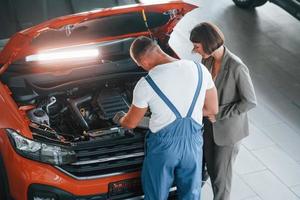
(268, 41)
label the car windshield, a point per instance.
(16, 15)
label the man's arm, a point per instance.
(138, 107)
(210, 107)
(133, 117)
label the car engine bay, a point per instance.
(76, 102)
(84, 116)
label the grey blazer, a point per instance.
(236, 96)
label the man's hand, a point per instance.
(133, 117)
(118, 116)
(212, 118)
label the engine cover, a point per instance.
(110, 102)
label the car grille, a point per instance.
(105, 157)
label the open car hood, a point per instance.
(91, 27)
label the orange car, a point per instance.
(62, 81)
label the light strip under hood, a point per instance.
(64, 55)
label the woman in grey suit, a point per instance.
(223, 132)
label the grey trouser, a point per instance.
(219, 162)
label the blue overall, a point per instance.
(174, 154)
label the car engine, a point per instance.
(82, 117)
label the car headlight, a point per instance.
(40, 151)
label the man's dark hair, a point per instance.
(140, 45)
(209, 35)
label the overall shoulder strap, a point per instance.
(197, 92)
(163, 96)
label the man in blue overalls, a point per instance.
(178, 93)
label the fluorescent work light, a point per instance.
(64, 55)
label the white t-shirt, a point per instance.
(178, 81)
